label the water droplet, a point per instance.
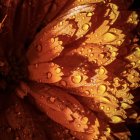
(58, 70)
(102, 107)
(89, 14)
(87, 92)
(52, 99)
(85, 27)
(119, 42)
(52, 40)
(114, 54)
(39, 48)
(49, 75)
(101, 89)
(63, 83)
(109, 37)
(101, 71)
(76, 79)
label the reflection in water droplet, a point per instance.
(76, 79)
(101, 89)
(85, 27)
(109, 37)
(49, 75)
(58, 70)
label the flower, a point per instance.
(68, 70)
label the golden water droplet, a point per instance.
(85, 27)
(102, 107)
(63, 83)
(39, 48)
(58, 70)
(109, 37)
(87, 92)
(119, 42)
(101, 89)
(49, 75)
(114, 54)
(76, 79)
(61, 23)
(116, 119)
(101, 71)
(89, 14)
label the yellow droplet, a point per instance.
(114, 54)
(109, 37)
(85, 27)
(119, 42)
(49, 75)
(101, 89)
(76, 79)
(58, 70)
(101, 71)
(89, 14)
(116, 119)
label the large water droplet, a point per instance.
(109, 37)
(89, 14)
(76, 79)
(85, 27)
(101, 89)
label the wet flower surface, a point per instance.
(69, 69)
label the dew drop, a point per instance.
(85, 27)
(76, 79)
(89, 14)
(119, 42)
(101, 89)
(109, 37)
(101, 71)
(58, 70)
(52, 99)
